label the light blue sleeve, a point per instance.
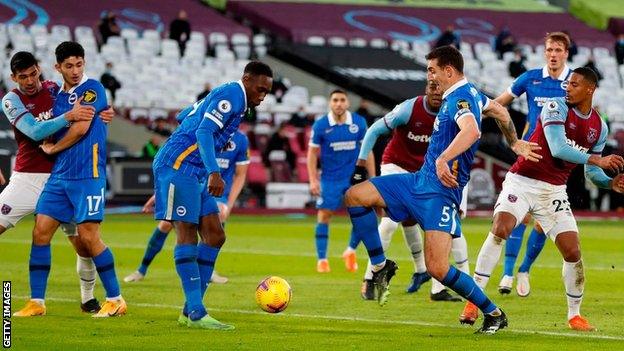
(594, 173)
(518, 86)
(553, 115)
(26, 123)
(462, 105)
(400, 115)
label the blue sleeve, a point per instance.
(316, 137)
(205, 144)
(26, 123)
(242, 158)
(95, 95)
(553, 115)
(594, 173)
(400, 115)
(222, 106)
(460, 106)
(518, 87)
(376, 129)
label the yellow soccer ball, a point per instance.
(273, 294)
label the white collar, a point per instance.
(240, 83)
(84, 79)
(454, 87)
(562, 76)
(333, 122)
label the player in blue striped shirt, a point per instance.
(187, 180)
(233, 161)
(75, 189)
(335, 141)
(539, 85)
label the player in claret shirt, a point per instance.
(570, 132)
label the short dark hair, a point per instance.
(559, 37)
(337, 91)
(258, 68)
(588, 74)
(68, 49)
(22, 60)
(447, 56)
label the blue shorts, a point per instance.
(181, 197)
(67, 200)
(332, 193)
(222, 199)
(411, 196)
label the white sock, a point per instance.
(459, 249)
(574, 282)
(86, 272)
(39, 301)
(487, 259)
(386, 228)
(414, 241)
(436, 286)
(378, 267)
(116, 298)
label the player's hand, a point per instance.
(215, 184)
(2, 179)
(527, 150)
(359, 175)
(149, 205)
(47, 147)
(315, 187)
(107, 115)
(444, 174)
(617, 184)
(613, 163)
(80, 112)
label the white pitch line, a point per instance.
(281, 253)
(359, 319)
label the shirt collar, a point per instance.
(333, 122)
(240, 83)
(454, 87)
(84, 79)
(562, 76)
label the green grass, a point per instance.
(326, 311)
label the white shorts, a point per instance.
(547, 203)
(391, 168)
(20, 197)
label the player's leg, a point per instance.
(86, 270)
(386, 229)
(19, 197)
(185, 256)
(535, 244)
(154, 245)
(437, 250)
(39, 265)
(459, 251)
(512, 248)
(414, 241)
(212, 238)
(223, 216)
(321, 237)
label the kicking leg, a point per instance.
(154, 245)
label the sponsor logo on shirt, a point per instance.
(577, 146)
(419, 138)
(343, 145)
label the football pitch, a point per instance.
(326, 311)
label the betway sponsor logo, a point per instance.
(343, 145)
(420, 138)
(577, 146)
(382, 74)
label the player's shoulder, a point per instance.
(228, 95)
(532, 73)
(322, 121)
(357, 118)
(11, 103)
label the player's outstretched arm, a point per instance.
(469, 134)
(73, 135)
(240, 174)
(149, 205)
(505, 98)
(312, 164)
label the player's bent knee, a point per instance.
(79, 246)
(504, 224)
(165, 226)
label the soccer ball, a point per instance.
(273, 294)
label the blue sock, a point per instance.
(39, 269)
(105, 265)
(535, 244)
(185, 256)
(354, 241)
(364, 223)
(466, 287)
(322, 234)
(512, 247)
(206, 258)
(154, 245)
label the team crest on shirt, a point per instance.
(353, 128)
(89, 96)
(181, 211)
(72, 98)
(6, 209)
(592, 135)
(463, 104)
(512, 198)
(224, 106)
(564, 84)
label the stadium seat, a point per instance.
(378, 43)
(358, 42)
(302, 169)
(129, 33)
(217, 38)
(337, 41)
(315, 41)
(256, 173)
(280, 169)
